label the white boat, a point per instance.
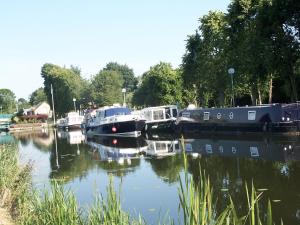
(160, 118)
(72, 121)
(115, 121)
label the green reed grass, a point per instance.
(198, 204)
(14, 179)
(109, 211)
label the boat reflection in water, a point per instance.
(259, 147)
(162, 146)
(73, 136)
(119, 149)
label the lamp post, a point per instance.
(231, 72)
(124, 98)
(74, 100)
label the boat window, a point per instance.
(251, 115)
(117, 111)
(206, 116)
(174, 112)
(148, 115)
(168, 113)
(254, 151)
(161, 146)
(158, 115)
(186, 114)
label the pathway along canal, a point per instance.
(148, 169)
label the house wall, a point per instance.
(44, 108)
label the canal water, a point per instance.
(147, 169)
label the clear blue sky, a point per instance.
(90, 34)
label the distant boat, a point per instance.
(115, 121)
(272, 118)
(5, 121)
(72, 121)
(160, 118)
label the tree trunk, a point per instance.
(270, 89)
(294, 95)
(253, 94)
(259, 96)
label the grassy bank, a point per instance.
(59, 206)
(14, 180)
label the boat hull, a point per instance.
(238, 128)
(132, 128)
(160, 127)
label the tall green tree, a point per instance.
(37, 96)
(66, 86)
(160, 85)
(130, 81)
(204, 64)
(106, 88)
(7, 101)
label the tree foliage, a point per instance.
(7, 101)
(66, 86)
(127, 74)
(260, 39)
(37, 96)
(160, 85)
(106, 88)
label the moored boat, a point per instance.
(115, 121)
(272, 118)
(160, 118)
(72, 121)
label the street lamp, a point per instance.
(231, 72)
(74, 100)
(124, 91)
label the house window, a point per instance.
(251, 115)
(206, 116)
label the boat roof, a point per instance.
(111, 107)
(160, 107)
(238, 107)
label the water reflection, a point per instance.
(117, 155)
(152, 164)
(258, 147)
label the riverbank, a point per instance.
(59, 206)
(29, 127)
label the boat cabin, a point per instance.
(160, 113)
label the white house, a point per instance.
(42, 108)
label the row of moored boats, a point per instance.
(118, 120)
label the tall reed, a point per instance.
(198, 204)
(58, 206)
(109, 211)
(14, 179)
